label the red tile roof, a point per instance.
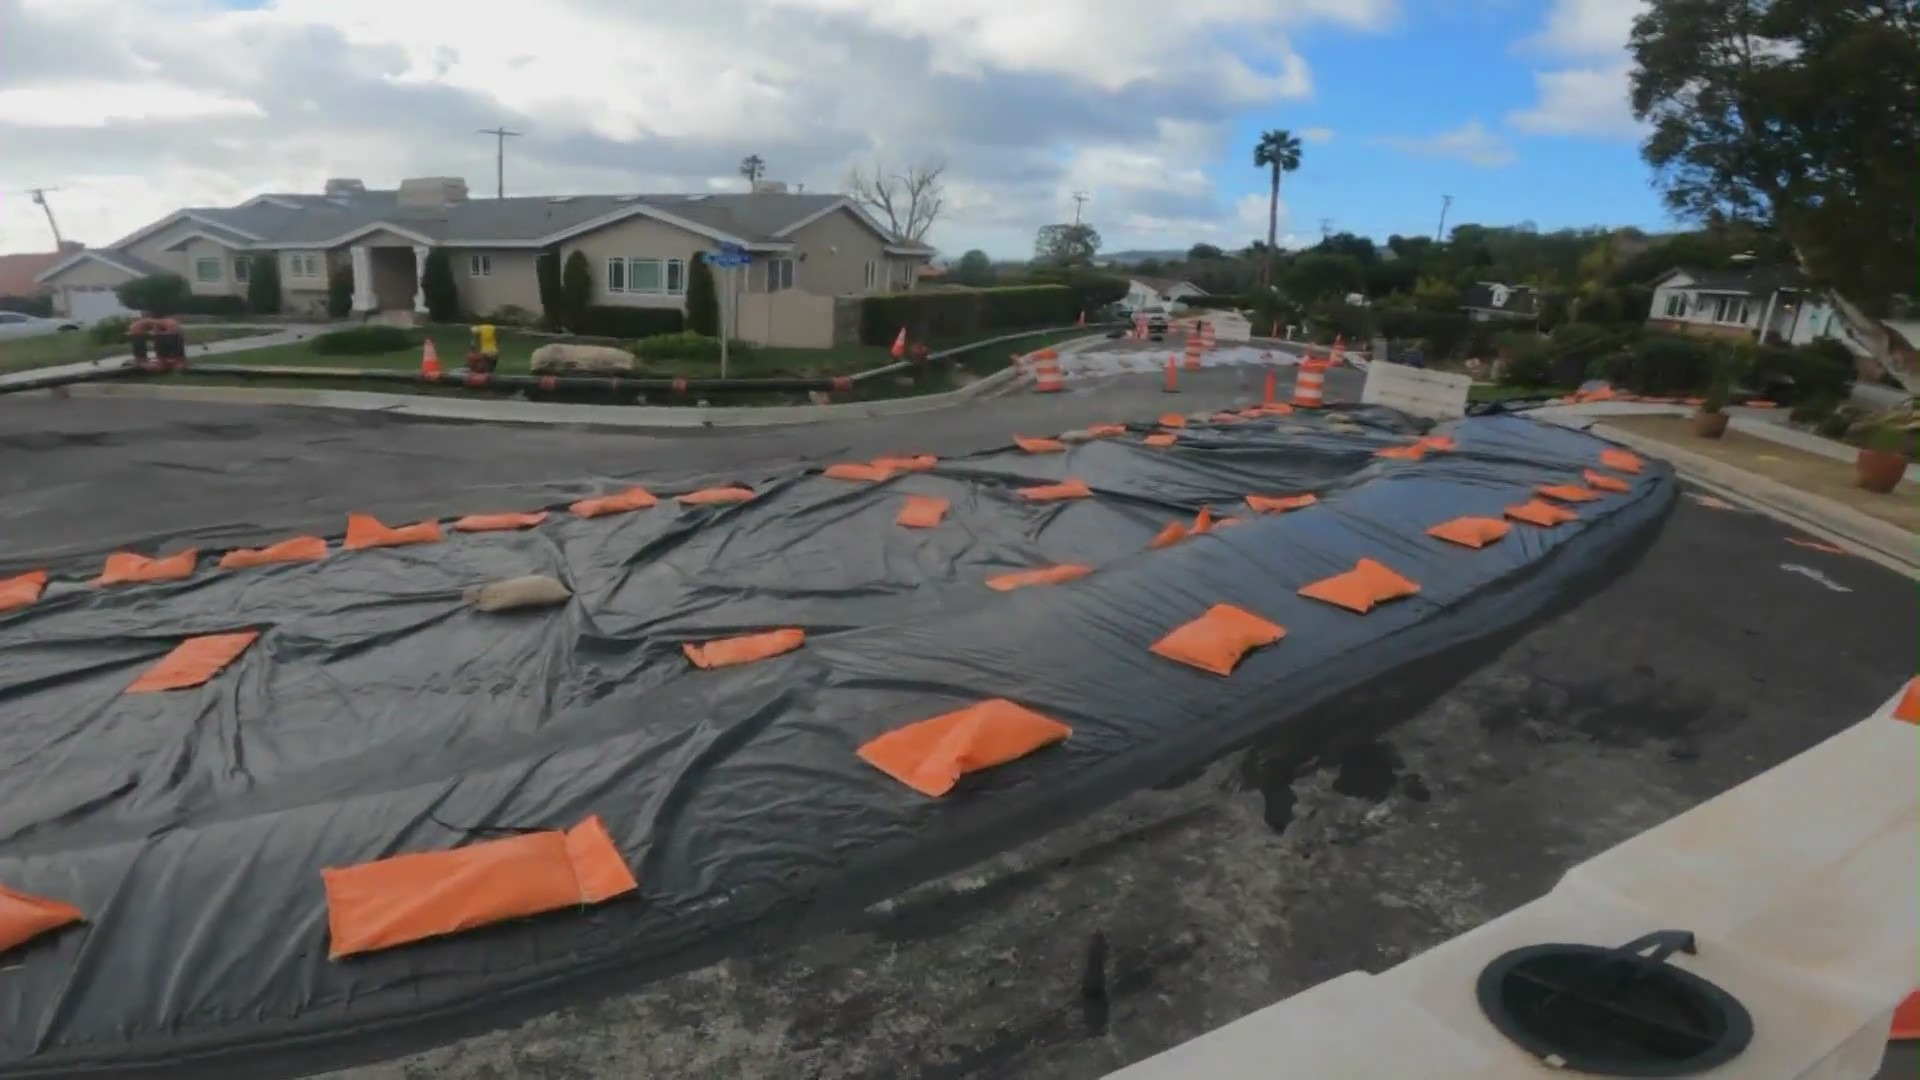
(18, 271)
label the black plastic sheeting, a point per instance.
(378, 714)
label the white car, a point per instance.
(15, 325)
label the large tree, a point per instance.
(1065, 245)
(1278, 152)
(753, 167)
(973, 268)
(1803, 115)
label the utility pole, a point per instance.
(1079, 198)
(1326, 227)
(39, 195)
(500, 137)
(1440, 233)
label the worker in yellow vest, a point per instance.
(483, 350)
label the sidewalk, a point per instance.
(276, 334)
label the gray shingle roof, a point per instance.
(1747, 280)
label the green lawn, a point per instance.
(73, 346)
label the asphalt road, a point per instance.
(1433, 801)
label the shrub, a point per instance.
(369, 340)
(110, 331)
(225, 306)
(946, 313)
(1092, 289)
(1666, 364)
(626, 322)
(512, 315)
(263, 285)
(1444, 332)
(1815, 410)
(576, 295)
(340, 290)
(703, 300)
(154, 294)
(1835, 424)
(684, 345)
(546, 272)
(437, 287)
(1529, 359)
(1823, 369)
(38, 306)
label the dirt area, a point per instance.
(1809, 472)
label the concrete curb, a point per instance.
(532, 412)
(1891, 546)
(1746, 423)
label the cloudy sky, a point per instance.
(1516, 108)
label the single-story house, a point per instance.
(18, 273)
(805, 250)
(1144, 293)
(1490, 301)
(1766, 303)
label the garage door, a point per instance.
(93, 303)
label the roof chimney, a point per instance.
(424, 191)
(344, 185)
(769, 187)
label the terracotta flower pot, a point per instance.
(1709, 425)
(1878, 471)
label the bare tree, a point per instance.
(908, 201)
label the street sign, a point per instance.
(729, 257)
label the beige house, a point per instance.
(806, 251)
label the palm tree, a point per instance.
(1279, 151)
(752, 168)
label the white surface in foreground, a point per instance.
(1802, 887)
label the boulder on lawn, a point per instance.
(561, 359)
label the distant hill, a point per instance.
(1129, 258)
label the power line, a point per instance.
(1079, 198)
(1440, 233)
(500, 137)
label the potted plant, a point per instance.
(1710, 422)
(1881, 461)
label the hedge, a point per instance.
(683, 345)
(947, 313)
(628, 322)
(371, 340)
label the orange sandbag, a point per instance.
(1541, 513)
(1102, 431)
(916, 463)
(1573, 493)
(1693, 401)
(406, 898)
(1473, 532)
(1276, 408)
(922, 512)
(1065, 489)
(22, 589)
(365, 531)
(854, 470)
(634, 498)
(1160, 438)
(1039, 446)
(1218, 640)
(715, 496)
(1440, 443)
(1621, 461)
(1278, 504)
(1369, 583)
(499, 522)
(932, 755)
(1227, 418)
(1410, 452)
(297, 550)
(193, 662)
(1175, 532)
(745, 649)
(124, 567)
(1909, 707)
(1226, 521)
(1762, 403)
(24, 917)
(1602, 482)
(1173, 420)
(1051, 575)
(1202, 522)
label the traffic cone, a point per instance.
(1267, 398)
(1906, 1020)
(1309, 387)
(1909, 707)
(1173, 379)
(900, 344)
(1083, 319)
(429, 361)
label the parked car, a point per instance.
(1157, 325)
(15, 325)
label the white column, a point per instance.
(419, 279)
(362, 277)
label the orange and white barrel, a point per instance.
(1310, 388)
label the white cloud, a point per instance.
(1025, 99)
(1587, 92)
(1471, 142)
(1316, 135)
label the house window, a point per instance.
(616, 275)
(303, 266)
(779, 274)
(479, 266)
(676, 277)
(1676, 305)
(206, 269)
(873, 275)
(242, 268)
(645, 276)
